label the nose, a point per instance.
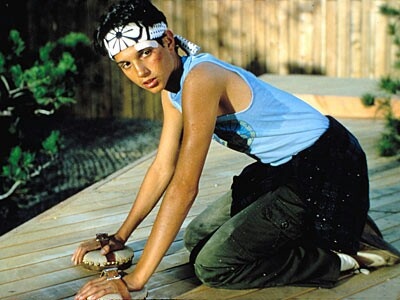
(141, 69)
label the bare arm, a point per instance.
(201, 96)
(160, 172)
(154, 183)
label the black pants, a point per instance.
(331, 179)
(266, 244)
(278, 225)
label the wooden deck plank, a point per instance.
(388, 289)
(354, 285)
(57, 271)
(35, 257)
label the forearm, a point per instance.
(198, 126)
(151, 190)
(172, 213)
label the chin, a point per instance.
(156, 90)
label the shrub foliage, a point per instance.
(389, 143)
(34, 86)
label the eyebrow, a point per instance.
(137, 54)
(121, 62)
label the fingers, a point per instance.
(105, 250)
(77, 257)
(99, 287)
(96, 288)
(116, 244)
(83, 248)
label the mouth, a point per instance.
(151, 83)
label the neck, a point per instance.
(174, 80)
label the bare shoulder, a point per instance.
(206, 76)
(165, 100)
(215, 84)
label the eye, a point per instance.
(125, 65)
(146, 52)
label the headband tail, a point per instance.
(186, 45)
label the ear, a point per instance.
(169, 40)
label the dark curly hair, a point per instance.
(124, 12)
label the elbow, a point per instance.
(184, 190)
(190, 186)
(193, 192)
(189, 190)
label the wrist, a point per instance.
(123, 289)
(132, 283)
(116, 275)
(121, 237)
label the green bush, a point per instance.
(31, 90)
(389, 143)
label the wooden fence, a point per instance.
(340, 38)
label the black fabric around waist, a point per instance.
(330, 177)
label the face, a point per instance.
(149, 68)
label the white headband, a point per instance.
(133, 34)
(141, 37)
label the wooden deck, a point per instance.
(35, 257)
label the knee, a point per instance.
(211, 273)
(188, 239)
(197, 232)
(208, 276)
(193, 234)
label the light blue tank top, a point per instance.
(274, 127)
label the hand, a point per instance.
(114, 244)
(101, 286)
(83, 248)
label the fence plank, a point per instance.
(338, 38)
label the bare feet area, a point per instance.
(91, 150)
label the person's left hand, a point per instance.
(99, 287)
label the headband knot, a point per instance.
(189, 47)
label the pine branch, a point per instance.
(35, 173)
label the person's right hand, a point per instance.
(83, 248)
(90, 245)
(113, 244)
